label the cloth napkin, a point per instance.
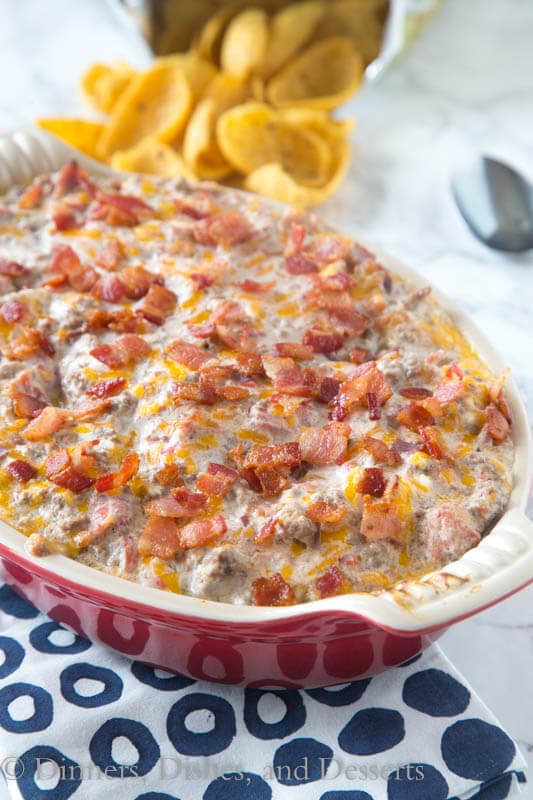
(77, 720)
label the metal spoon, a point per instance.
(496, 203)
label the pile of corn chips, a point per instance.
(248, 105)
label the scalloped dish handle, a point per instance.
(28, 153)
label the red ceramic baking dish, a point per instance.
(319, 643)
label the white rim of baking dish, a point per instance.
(500, 565)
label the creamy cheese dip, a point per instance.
(206, 395)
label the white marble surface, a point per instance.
(465, 86)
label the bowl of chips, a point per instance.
(243, 94)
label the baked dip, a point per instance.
(207, 393)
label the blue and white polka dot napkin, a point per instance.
(79, 721)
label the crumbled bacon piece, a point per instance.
(372, 482)
(109, 288)
(271, 481)
(122, 351)
(267, 530)
(295, 381)
(24, 404)
(453, 371)
(126, 471)
(21, 470)
(230, 324)
(64, 219)
(381, 452)
(55, 282)
(358, 355)
(250, 363)
(497, 425)
(108, 355)
(497, 395)
(169, 506)
(32, 196)
(348, 320)
(415, 416)
(296, 239)
(26, 342)
(60, 470)
(301, 352)
(81, 458)
(321, 250)
(138, 281)
(89, 409)
(449, 391)
(201, 280)
(326, 512)
(327, 390)
(434, 406)
(338, 282)
(331, 582)
(159, 538)
(202, 331)
(288, 378)
(226, 228)
(169, 475)
(374, 407)
(188, 354)
(56, 461)
(450, 531)
(325, 248)
(113, 511)
(158, 303)
(380, 521)
(415, 392)
(235, 337)
(325, 445)
(328, 299)
(64, 259)
(300, 264)
(26, 395)
(122, 320)
(217, 481)
(12, 269)
(50, 420)
(273, 455)
(66, 262)
(323, 341)
(198, 205)
(204, 392)
(13, 311)
(71, 177)
(129, 555)
(367, 379)
(110, 254)
(231, 392)
(202, 532)
(192, 501)
(255, 287)
(209, 387)
(267, 467)
(272, 591)
(107, 388)
(120, 209)
(432, 445)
